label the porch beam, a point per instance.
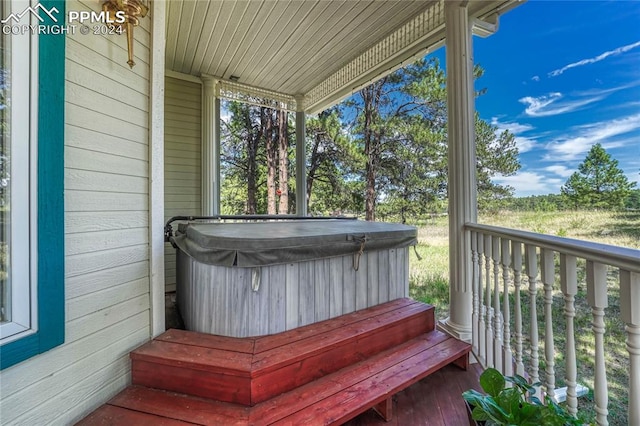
(462, 166)
(301, 159)
(210, 191)
(486, 27)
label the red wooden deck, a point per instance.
(321, 374)
(434, 401)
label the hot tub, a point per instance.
(259, 278)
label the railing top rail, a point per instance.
(621, 257)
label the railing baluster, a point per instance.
(497, 315)
(532, 272)
(490, 313)
(531, 257)
(630, 309)
(597, 297)
(516, 254)
(569, 287)
(507, 355)
(547, 273)
(482, 326)
(474, 315)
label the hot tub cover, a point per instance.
(270, 243)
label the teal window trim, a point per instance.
(50, 281)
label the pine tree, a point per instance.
(400, 123)
(598, 183)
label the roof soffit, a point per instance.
(316, 49)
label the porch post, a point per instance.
(210, 146)
(301, 159)
(462, 166)
(156, 169)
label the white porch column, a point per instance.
(462, 166)
(156, 167)
(210, 146)
(301, 160)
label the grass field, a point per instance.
(429, 282)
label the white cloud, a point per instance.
(559, 170)
(556, 103)
(595, 59)
(605, 92)
(531, 183)
(582, 138)
(513, 127)
(553, 104)
(535, 78)
(523, 143)
(634, 177)
(536, 104)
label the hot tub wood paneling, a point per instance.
(220, 300)
(253, 279)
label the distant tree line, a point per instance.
(556, 202)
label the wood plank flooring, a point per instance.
(433, 401)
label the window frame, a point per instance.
(48, 273)
(23, 192)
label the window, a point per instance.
(31, 185)
(17, 190)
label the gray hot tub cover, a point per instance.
(270, 243)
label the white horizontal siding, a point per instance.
(93, 282)
(82, 159)
(79, 307)
(87, 98)
(85, 263)
(85, 119)
(104, 240)
(106, 235)
(83, 201)
(78, 384)
(182, 159)
(85, 180)
(183, 133)
(183, 153)
(92, 140)
(81, 222)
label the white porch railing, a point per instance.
(505, 260)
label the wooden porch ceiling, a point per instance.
(318, 48)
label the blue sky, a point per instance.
(562, 76)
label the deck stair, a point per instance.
(324, 373)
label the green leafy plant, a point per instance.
(515, 405)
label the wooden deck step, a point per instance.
(338, 397)
(331, 399)
(112, 415)
(159, 405)
(252, 370)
